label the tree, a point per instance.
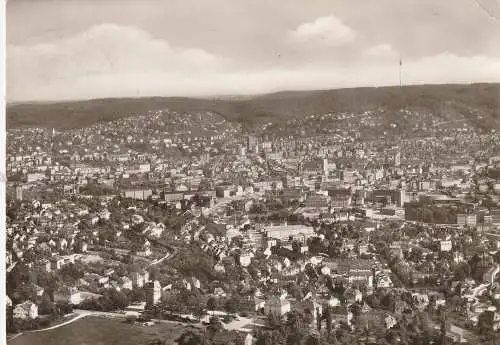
(154, 273)
(274, 321)
(190, 338)
(485, 324)
(443, 326)
(312, 340)
(198, 311)
(212, 303)
(46, 307)
(293, 338)
(327, 314)
(295, 321)
(10, 324)
(232, 304)
(214, 325)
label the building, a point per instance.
(340, 198)
(137, 279)
(126, 283)
(224, 191)
(26, 310)
(317, 201)
(390, 196)
(495, 216)
(68, 295)
(445, 246)
(153, 293)
(397, 159)
(138, 194)
(244, 258)
(310, 307)
(287, 232)
(467, 220)
(19, 193)
(276, 305)
(490, 274)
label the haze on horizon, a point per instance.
(81, 49)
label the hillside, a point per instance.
(442, 100)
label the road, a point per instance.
(77, 317)
(11, 266)
(155, 262)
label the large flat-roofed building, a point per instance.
(392, 196)
(138, 194)
(495, 216)
(467, 220)
(287, 232)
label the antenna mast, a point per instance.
(400, 70)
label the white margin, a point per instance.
(3, 180)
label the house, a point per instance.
(26, 310)
(353, 295)
(63, 244)
(173, 197)
(224, 191)
(68, 295)
(445, 246)
(421, 301)
(81, 246)
(490, 274)
(218, 291)
(126, 283)
(145, 249)
(459, 335)
(139, 279)
(390, 321)
(310, 307)
(276, 305)
(96, 279)
(333, 301)
(259, 303)
(57, 263)
(245, 258)
(248, 339)
(154, 230)
(38, 291)
(44, 265)
(342, 314)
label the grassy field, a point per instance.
(101, 331)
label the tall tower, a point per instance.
(325, 166)
(153, 293)
(19, 193)
(397, 158)
(400, 71)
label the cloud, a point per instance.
(452, 68)
(329, 31)
(100, 52)
(115, 61)
(381, 51)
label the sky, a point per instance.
(81, 49)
